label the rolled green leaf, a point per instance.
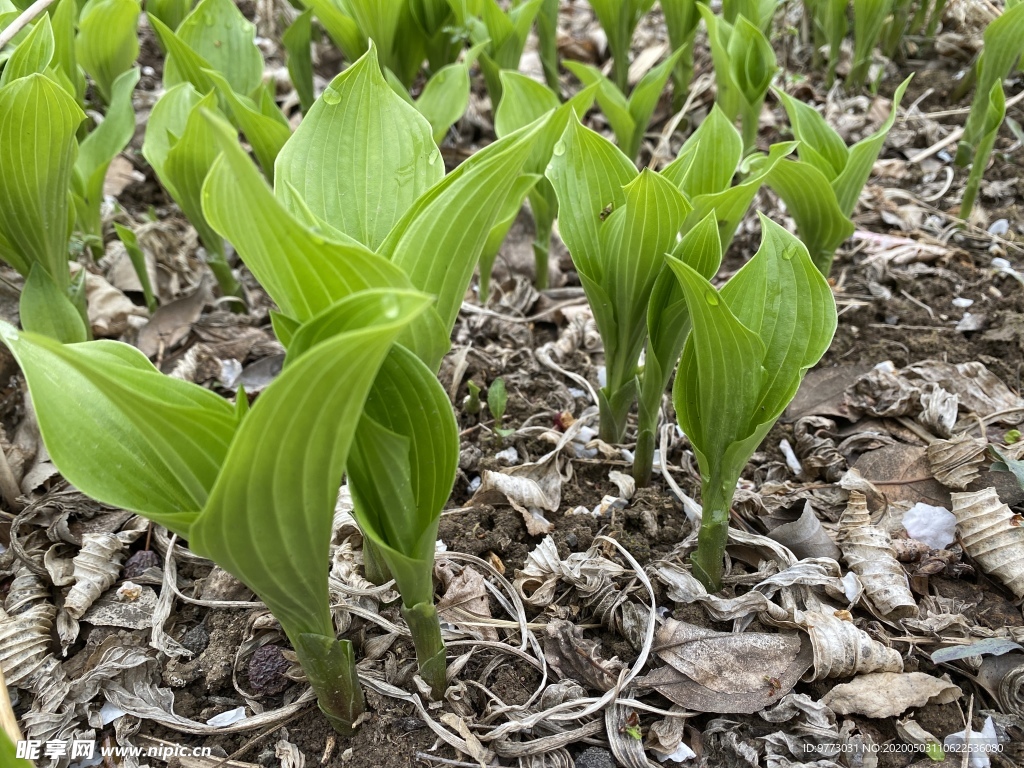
(297, 40)
(749, 347)
(996, 114)
(217, 32)
(618, 20)
(108, 43)
(32, 55)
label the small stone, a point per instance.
(196, 639)
(266, 671)
(139, 563)
(595, 757)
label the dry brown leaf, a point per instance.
(573, 657)
(465, 592)
(842, 649)
(886, 694)
(805, 537)
(172, 322)
(822, 393)
(902, 473)
(956, 461)
(979, 390)
(120, 174)
(992, 535)
(711, 671)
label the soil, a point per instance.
(899, 312)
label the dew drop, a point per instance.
(787, 253)
(711, 297)
(559, 149)
(433, 157)
(390, 306)
(331, 96)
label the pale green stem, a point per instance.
(430, 652)
(716, 498)
(330, 667)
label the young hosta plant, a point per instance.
(744, 68)
(681, 19)
(331, 229)
(505, 33)
(618, 226)
(750, 345)
(107, 43)
(1003, 48)
(36, 219)
(96, 152)
(297, 40)
(868, 22)
(830, 27)
(996, 113)
(524, 102)
(252, 490)
(821, 189)
(618, 19)
(628, 117)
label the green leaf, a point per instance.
(994, 119)
(135, 438)
(186, 165)
(402, 469)
(266, 134)
(302, 271)
(1003, 47)
(170, 12)
(862, 158)
(138, 259)
(438, 242)
(445, 98)
(268, 518)
(382, 156)
(32, 55)
(341, 28)
(100, 147)
(868, 20)
(708, 160)
(812, 203)
(38, 120)
(9, 753)
(681, 19)
(820, 145)
(47, 310)
(644, 99)
(217, 31)
(297, 40)
(506, 218)
(189, 66)
(65, 19)
(107, 43)
(618, 19)
(166, 123)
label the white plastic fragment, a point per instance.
(681, 754)
(602, 373)
(962, 303)
(230, 717)
(935, 526)
(474, 484)
(109, 713)
(791, 460)
(978, 746)
(510, 455)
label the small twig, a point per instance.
(19, 23)
(937, 147)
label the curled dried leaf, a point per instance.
(573, 657)
(27, 590)
(25, 644)
(955, 462)
(96, 568)
(885, 694)
(992, 535)
(841, 649)
(868, 550)
(1003, 676)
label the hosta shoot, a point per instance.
(830, 25)
(821, 189)
(36, 217)
(107, 43)
(547, 42)
(297, 40)
(1003, 47)
(759, 12)
(681, 20)
(618, 19)
(170, 12)
(996, 113)
(744, 68)
(868, 23)
(525, 101)
(750, 345)
(504, 33)
(342, 230)
(618, 225)
(628, 117)
(254, 491)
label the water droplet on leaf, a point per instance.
(390, 306)
(433, 157)
(331, 96)
(787, 253)
(559, 149)
(711, 296)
